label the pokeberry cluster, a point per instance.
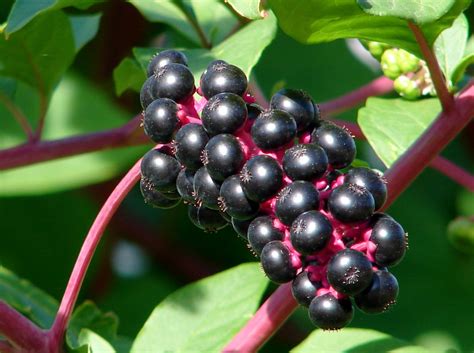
(275, 175)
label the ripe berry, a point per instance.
(145, 93)
(223, 156)
(161, 120)
(222, 77)
(337, 143)
(390, 239)
(349, 272)
(224, 113)
(310, 232)
(261, 231)
(298, 104)
(370, 180)
(305, 162)
(380, 295)
(351, 203)
(190, 140)
(254, 110)
(185, 185)
(273, 129)
(173, 81)
(209, 220)
(241, 227)
(164, 58)
(329, 313)
(156, 198)
(261, 178)
(206, 190)
(233, 200)
(276, 262)
(160, 170)
(294, 199)
(303, 289)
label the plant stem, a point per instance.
(456, 173)
(18, 115)
(87, 251)
(437, 76)
(6, 347)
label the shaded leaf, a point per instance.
(128, 74)
(247, 8)
(7, 87)
(84, 29)
(90, 342)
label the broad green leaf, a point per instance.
(27, 299)
(354, 340)
(316, 21)
(450, 45)
(84, 28)
(418, 11)
(462, 67)
(7, 88)
(90, 342)
(203, 316)
(392, 125)
(23, 11)
(247, 8)
(40, 53)
(128, 74)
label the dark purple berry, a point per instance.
(351, 203)
(160, 120)
(173, 81)
(390, 239)
(206, 190)
(189, 142)
(241, 227)
(273, 129)
(261, 178)
(303, 289)
(233, 201)
(380, 295)
(276, 262)
(222, 77)
(160, 170)
(145, 93)
(254, 110)
(164, 58)
(156, 198)
(294, 199)
(305, 162)
(371, 180)
(224, 113)
(223, 156)
(349, 272)
(329, 313)
(337, 142)
(185, 185)
(310, 232)
(297, 103)
(261, 231)
(209, 220)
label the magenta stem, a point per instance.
(456, 173)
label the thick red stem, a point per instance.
(456, 173)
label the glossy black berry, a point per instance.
(329, 313)
(303, 289)
(156, 198)
(294, 199)
(337, 142)
(349, 272)
(222, 77)
(206, 190)
(261, 177)
(391, 241)
(233, 201)
(145, 92)
(224, 113)
(254, 110)
(371, 180)
(185, 185)
(305, 162)
(297, 103)
(261, 231)
(189, 142)
(380, 295)
(160, 120)
(310, 232)
(276, 262)
(273, 129)
(164, 58)
(223, 156)
(206, 219)
(241, 227)
(160, 170)
(173, 81)
(351, 203)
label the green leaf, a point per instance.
(27, 56)
(418, 11)
(90, 342)
(247, 8)
(354, 340)
(450, 45)
(84, 28)
(316, 21)
(7, 87)
(23, 11)
(127, 75)
(392, 125)
(203, 316)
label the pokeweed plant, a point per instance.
(270, 168)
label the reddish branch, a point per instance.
(456, 173)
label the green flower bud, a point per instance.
(406, 88)
(377, 49)
(407, 62)
(389, 64)
(461, 234)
